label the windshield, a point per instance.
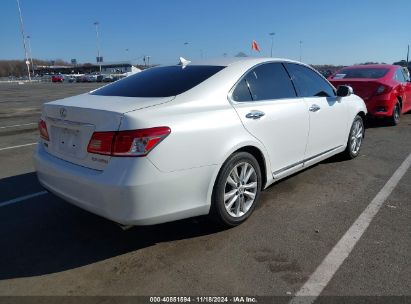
(160, 81)
(373, 73)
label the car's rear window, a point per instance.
(160, 81)
(373, 73)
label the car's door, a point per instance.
(400, 86)
(266, 102)
(327, 113)
(403, 77)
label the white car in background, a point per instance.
(90, 78)
(192, 139)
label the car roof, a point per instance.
(227, 61)
(373, 66)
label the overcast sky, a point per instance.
(331, 31)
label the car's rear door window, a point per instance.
(160, 81)
(242, 91)
(265, 82)
(309, 83)
(406, 74)
(399, 75)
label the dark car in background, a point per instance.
(386, 89)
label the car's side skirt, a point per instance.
(306, 162)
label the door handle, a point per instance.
(314, 108)
(255, 115)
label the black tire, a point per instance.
(396, 113)
(223, 187)
(351, 151)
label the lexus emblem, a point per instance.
(63, 113)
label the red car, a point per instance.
(57, 78)
(386, 89)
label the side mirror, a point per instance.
(344, 91)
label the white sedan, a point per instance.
(193, 139)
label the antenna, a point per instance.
(184, 62)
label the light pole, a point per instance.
(185, 49)
(96, 23)
(24, 40)
(127, 56)
(30, 54)
(272, 43)
(301, 50)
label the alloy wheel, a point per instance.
(357, 134)
(240, 189)
(397, 113)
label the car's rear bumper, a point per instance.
(381, 106)
(130, 191)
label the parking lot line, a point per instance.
(19, 146)
(332, 262)
(15, 126)
(22, 198)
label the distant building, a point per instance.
(106, 68)
(116, 68)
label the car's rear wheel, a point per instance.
(396, 113)
(355, 138)
(237, 190)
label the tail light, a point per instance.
(101, 143)
(382, 90)
(127, 143)
(43, 130)
(138, 142)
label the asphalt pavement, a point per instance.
(49, 247)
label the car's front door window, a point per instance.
(309, 83)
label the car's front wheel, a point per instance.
(355, 138)
(237, 189)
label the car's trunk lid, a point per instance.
(72, 121)
(365, 88)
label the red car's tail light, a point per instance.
(127, 143)
(101, 143)
(382, 89)
(43, 130)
